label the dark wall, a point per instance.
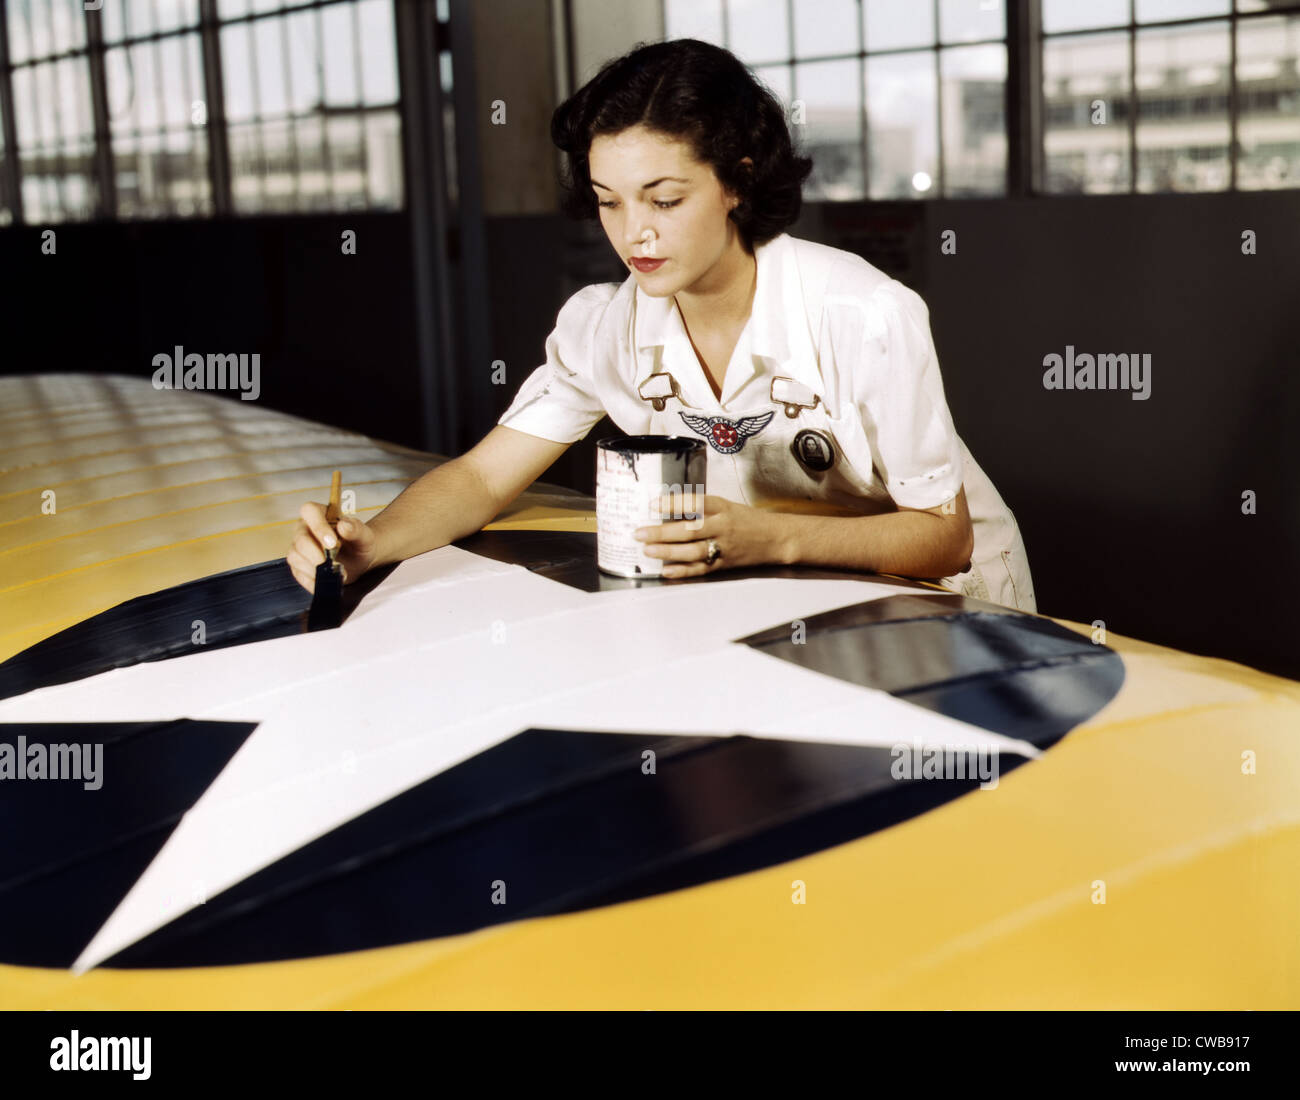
(1131, 510)
(536, 263)
(334, 331)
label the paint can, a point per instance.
(631, 475)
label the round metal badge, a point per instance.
(814, 450)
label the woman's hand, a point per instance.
(356, 550)
(743, 535)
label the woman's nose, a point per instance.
(646, 239)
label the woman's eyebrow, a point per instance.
(646, 186)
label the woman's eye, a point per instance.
(610, 204)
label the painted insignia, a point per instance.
(813, 450)
(723, 435)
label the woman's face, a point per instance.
(680, 219)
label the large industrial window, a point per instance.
(1170, 95)
(908, 98)
(892, 98)
(156, 107)
(111, 114)
(53, 122)
(311, 102)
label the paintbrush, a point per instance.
(327, 602)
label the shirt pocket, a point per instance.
(855, 462)
(787, 466)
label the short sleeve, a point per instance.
(558, 400)
(899, 393)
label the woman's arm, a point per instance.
(463, 495)
(447, 503)
(912, 542)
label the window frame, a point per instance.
(216, 127)
(1131, 28)
(862, 53)
(1025, 103)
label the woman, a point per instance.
(809, 373)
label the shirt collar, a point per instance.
(778, 325)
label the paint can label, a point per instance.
(632, 476)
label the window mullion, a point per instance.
(1132, 99)
(104, 166)
(12, 173)
(1024, 92)
(940, 184)
(215, 94)
(1233, 104)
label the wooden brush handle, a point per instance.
(336, 488)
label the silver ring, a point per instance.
(714, 552)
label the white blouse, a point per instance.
(859, 426)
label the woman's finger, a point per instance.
(681, 530)
(685, 504)
(313, 515)
(695, 551)
(308, 549)
(305, 577)
(686, 569)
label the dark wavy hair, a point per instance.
(703, 94)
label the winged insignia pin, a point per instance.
(726, 436)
